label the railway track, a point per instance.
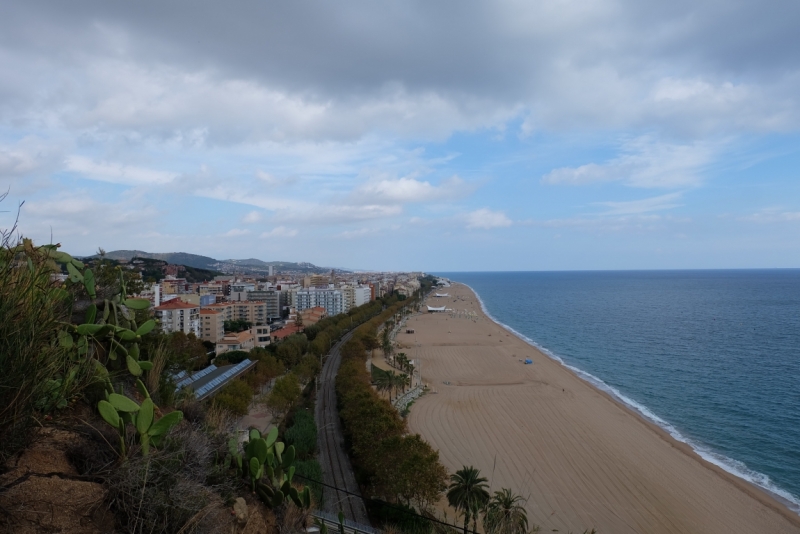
(336, 468)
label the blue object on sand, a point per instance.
(528, 361)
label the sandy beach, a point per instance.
(582, 459)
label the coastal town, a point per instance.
(400, 267)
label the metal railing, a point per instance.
(333, 523)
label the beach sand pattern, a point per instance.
(582, 459)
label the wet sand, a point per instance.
(581, 459)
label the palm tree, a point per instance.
(505, 514)
(400, 360)
(397, 381)
(468, 492)
(385, 382)
(404, 381)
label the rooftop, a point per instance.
(286, 331)
(176, 304)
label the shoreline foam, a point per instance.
(735, 467)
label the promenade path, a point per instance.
(336, 468)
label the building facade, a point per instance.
(212, 325)
(179, 316)
(275, 300)
(241, 341)
(330, 299)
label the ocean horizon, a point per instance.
(711, 356)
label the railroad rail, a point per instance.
(336, 468)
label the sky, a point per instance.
(407, 135)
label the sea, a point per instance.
(711, 356)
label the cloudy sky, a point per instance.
(501, 135)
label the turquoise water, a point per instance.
(711, 356)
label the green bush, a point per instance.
(404, 518)
(38, 373)
(231, 357)
(235, 397)
(310, 474)
(303, 434)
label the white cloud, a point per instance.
(252, 217)
(279, 232)
(28, 156)
(487, 219)
(79, 215)
(117, 173)
(643, 163)
(236, 232)
(633, 223)
(408, 189)
(355, 234)
(772, 215)
(273, 181)
(645, 205)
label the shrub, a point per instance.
(231, 357)
(37, 373)
(405, 518)
(303, 434)
(165, 491)
(310, 474)
(284, 394)
(235, 397)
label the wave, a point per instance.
(732, 466)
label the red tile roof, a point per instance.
(286, 331)
(176, 304)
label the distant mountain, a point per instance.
(177, 258)
(250, 265)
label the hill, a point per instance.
(176, 258)
(245, 266)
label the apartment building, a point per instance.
(212, 325)
(276, 301)
(171, 285)
(239, 290)
(179, 316)
(240, 341)
(319, 280)
(211, 288)
(252, 311)
(330, 299)
(225, 308)
(261, 335)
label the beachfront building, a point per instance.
(212, 325)
(354, 296)
(179, 316)
(330, 299)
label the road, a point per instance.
(336, 468)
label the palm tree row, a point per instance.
(503, 512)
(402, 361)
(390, 381)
